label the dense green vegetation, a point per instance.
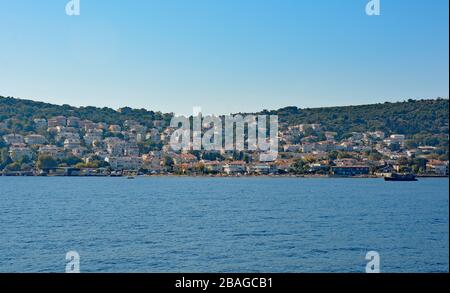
(411, 117)
(24, 111)
(425, 122)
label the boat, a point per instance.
(400, 177)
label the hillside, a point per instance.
(413, 117)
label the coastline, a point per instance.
(430, 176)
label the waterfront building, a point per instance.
(213, 166)
(262, 169)
(235, 167)
(437, 167)
(124, 163)
(350, 170)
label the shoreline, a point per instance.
(225, 176)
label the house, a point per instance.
(40, 123)
(87, 125)
(308, 147)
(350, 170)
(114, 146)
(345, 146)
(101, 126)
(283, 166)
(316, 167)
(67, 135)
(57, 121)
(395, 139)
(115, 129)
(330, 135)
(73, 122)
(213, 166)
(131, 149)
(377, 134)
(13, 138)
(52, 151)
(154, 135)
(262, 169)
(292, 148)
(184, 158)
(345, 162)
(183, 168)
(124, 163)
(426, 149)
(158, 123)
(437, 167)
(70, 144)
(18, 153)
(152, 161)
(79, 151)
(235, 167)
(93, 135)
(324, 146)
(35, 139)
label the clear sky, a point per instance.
(223, 55)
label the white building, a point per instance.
(67, 135)
(35, 139)
(17, 153)
(154, 135)
(13, 138)
(292, 148)
(57, 121)
(115, 148)
(70, 144)
(395, 138)
(124, 163)
(236, 167)
(262, 168)
(40, 123)
(308, 147)
(52, 151)
(73, 122)
(437, 167)
(93, 135)
(131, 149)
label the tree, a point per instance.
(395, 147)
(46, 162)
(168, 162)
(13, 167)
(333, 155)
(299, 167)
(71, 161)
(4, 159)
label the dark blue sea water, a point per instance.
(223, 224)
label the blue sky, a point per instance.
(223, 55)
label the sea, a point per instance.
(204, 224)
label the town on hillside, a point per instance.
(70, 146)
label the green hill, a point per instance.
(424, 120)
